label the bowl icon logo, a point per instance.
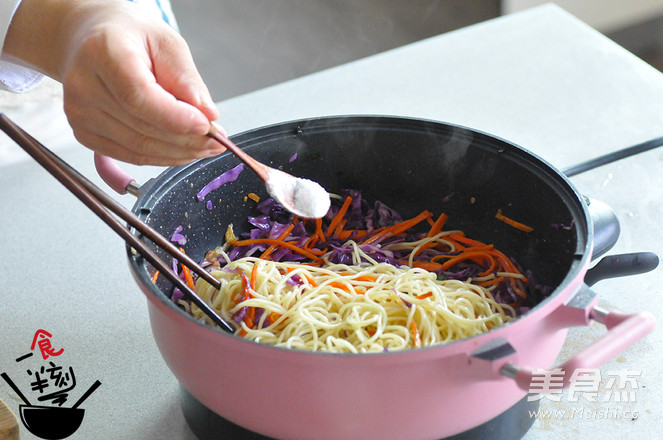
(53, 384)
(51, 422)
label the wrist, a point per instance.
(42, 31)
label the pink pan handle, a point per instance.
(112, 174)
(624, 330)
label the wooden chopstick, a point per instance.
(104, 207)
(127, 215)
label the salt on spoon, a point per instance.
(302, 197)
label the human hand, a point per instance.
(131, 89)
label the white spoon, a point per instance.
(302, 197)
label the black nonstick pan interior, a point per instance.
(409, 164)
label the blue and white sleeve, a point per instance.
(16, 78)
(13, 77)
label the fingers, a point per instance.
(109, 147)
(103, 124)
(115, 139)
(138, 97)
(136, 91)
(175, 71)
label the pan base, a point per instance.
(207, 425)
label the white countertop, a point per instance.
(540, 78)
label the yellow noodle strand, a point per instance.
(347, 312)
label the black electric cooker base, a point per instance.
(512, 424)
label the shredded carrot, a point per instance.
(312, 241)
(155, 276)
(436, 227)
(250, 316)
(254, 197)
(339, 216)
(481, 253)
(352, 288)
(399, 227)
(188, 277)
(309, 253)
(478, 247)
(246, 285)
(254, 277)
(491, 268)
(415, 335)
(469, 255)
(517, 289)
(265, 255)
(318, 229)
(342, 286)
(460, 238)
(273, 317)
(348, 233)
(368, 278)
(478, 254)
(511, 222)
(318, 235)
(508, 265)
(187, 274)
(250, 311)
(425, 295)
(427, 265)
(310, 280)
(339, 228)
(491, 282)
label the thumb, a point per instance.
(176, 72)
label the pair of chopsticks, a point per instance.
(105, 206)
(18, 392)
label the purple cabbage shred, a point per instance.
(272, 219)
(559, 226)
(227, 177)
(177, 236)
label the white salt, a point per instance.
(299, 196)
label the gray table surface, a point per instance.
(539, 78)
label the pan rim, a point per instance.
(559, 294)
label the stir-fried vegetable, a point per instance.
(384, 236)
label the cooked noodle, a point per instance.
(364, 307)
